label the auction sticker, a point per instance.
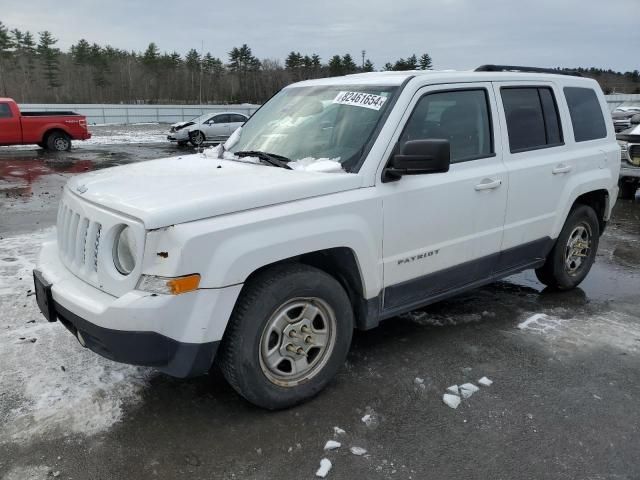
(359, 99)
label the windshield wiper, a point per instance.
(270, 158)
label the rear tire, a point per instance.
(196, 138)
(574, 252)
(288, 336)
(628, 190)
(58, 142)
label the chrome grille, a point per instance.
(78, 240)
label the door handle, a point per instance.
(488, 184)
(562, 168)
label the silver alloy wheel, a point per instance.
(197, 138)
(578, 248)
(61, 144)
(297, 341)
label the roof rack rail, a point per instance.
(516, 68)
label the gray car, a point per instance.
(210, 127)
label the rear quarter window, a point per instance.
(586, 114)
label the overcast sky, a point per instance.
(458, 34)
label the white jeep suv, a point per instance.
(342, 202)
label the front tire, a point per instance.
(574, 252)
(196, 138)
(288, 336)
(58, 142)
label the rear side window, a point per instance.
(222, 119)
(532, 118)
(5, 111)
(460, 116)
(586, 114)
(235, 118)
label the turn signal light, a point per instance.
(169, 286)
(184, 284)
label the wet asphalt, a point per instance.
(565, 402)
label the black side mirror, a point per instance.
(419, 157)
(635, 120)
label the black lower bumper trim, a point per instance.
(151, 349)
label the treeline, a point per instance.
(34, 70)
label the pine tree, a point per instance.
(335, 66)
(411, 63)
(348, 65)
(49, 59)
(368, 66)
(426, 62)
(81, 52)
(151, 56)
(293, 61)
(6, 53)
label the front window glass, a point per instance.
(461, 116)
(334, 122)
(5, 111)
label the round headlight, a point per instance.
(124, 251)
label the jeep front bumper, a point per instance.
(177, 334)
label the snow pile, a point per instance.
(485, 382)
(468, 389)
(574, 331)
(451, 400)
(454, 394)
(359, 451)
(540, 323)
(338, 431)
(324, 165)
(53, 387)
(118, 136)
(332, 445)
(308, 164)
(325, 466)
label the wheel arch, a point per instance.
(50, 131)
(599, 201)
(342, 264)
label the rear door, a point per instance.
(443, 231)
(10, 129)
(539, 166)
(236, 121)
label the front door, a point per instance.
(10, 129)
(218, 127)
(443, 231)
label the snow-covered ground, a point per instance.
(51, 386)
(142, 133)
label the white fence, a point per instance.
(628, 99)
(126, 114)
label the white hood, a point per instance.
(192, 187)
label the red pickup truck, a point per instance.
(50, 130)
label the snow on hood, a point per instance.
(308, 164)
(192, 187)
(325, 165)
